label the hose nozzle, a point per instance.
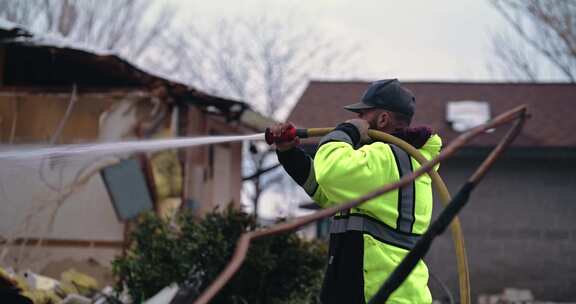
(287, 135)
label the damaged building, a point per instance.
(52, 92)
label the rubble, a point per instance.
(73, 288)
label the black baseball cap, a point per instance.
(386, 94)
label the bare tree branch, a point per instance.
(260, 172)
(263, 60)
(130, 28)
(513, 60)
(58, 132)
(548, 32)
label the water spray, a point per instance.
(108, 148)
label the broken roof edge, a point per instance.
(15, 34)
(256, 121)
(9, 29)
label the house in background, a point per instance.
(53, 92)
(519, 225)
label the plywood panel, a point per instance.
(37, 116)
(196, 167)
(8, 109)
(236, 173)
(43, 113)
(223, 192)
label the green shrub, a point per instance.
(278, 269)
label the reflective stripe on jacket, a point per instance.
(376, 235)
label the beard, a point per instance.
(373, 123)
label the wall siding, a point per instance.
(518, 226)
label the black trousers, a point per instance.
(344, 278)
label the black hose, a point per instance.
(444, 288)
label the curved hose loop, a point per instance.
(445, 198)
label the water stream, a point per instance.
(62, 152)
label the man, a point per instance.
(369, 241)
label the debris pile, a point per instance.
(73, 287)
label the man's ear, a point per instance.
(383, 120)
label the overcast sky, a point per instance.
(448, 40)
(411, 40)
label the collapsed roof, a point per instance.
(52, 61)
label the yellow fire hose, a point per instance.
(445, 198)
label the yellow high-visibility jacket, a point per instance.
(369, 241)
